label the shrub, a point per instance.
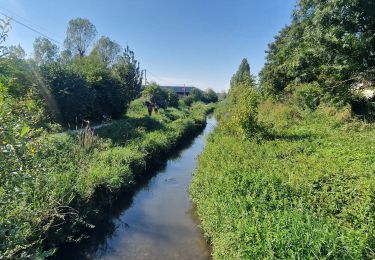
(242, 107)
(306, 95)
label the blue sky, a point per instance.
(192, 42)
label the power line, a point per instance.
(30, 22)
(32, 29)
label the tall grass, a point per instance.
(304, 191)
(69, 180)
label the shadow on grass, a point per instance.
(265, 135)
(129, 128)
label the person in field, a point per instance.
(149, 107)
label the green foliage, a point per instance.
(328, 43)
(154, 93)
(44, 51)
(107, 51)
(16, 52)
(79, 36)
(242, 103)
(68, 97)
(306, 95)
(306, 192)
(242, 108)
(187, 100)
(70, 89)
(50, 183)
(128, 72)
(197, 95)
(210, 96)
(242, 74)
(4, 29)
(172, 98)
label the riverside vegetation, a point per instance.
(290, 171)
(78, 177)
(56, 184)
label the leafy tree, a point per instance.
(242, 104)
(188, 100)
(328, 42)
(44, 50)
(110, 99)
(128, 72)
(16, 52)
(65, 56)
(210, 96)
(243, 73)
(79, 36)
(154, 93)
(68, 97)
(4, 29)
(107, 50)
(172, 98)
(19, 70)
(276, 74)
(196, 94)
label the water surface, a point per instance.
(160, 222)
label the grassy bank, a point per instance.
(70, 179)
(304, 190)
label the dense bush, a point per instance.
(196, 95)
(156, 95)
(71, 88)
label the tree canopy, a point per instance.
(79, 36)
(107, 50)
(330, 43)
(44, 50)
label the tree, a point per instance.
(128, 72)
(172, 98)
(44, 50)
(79, 36)
(196, 94)
(242, 104)
(156, 94)
(243, 73)
(16, 52)
(72, 100)
(4, 29)
(106, 50)
(210, 96)
(328, 42)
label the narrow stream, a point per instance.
(160, 222)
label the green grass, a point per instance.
(304, 191)
(65, 187)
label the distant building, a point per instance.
(180, 91)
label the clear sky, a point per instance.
(192, 42)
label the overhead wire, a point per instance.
(32, 29)
(30, 22)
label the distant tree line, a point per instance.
(88, 79)
(164, 97)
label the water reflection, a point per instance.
(158, 222)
